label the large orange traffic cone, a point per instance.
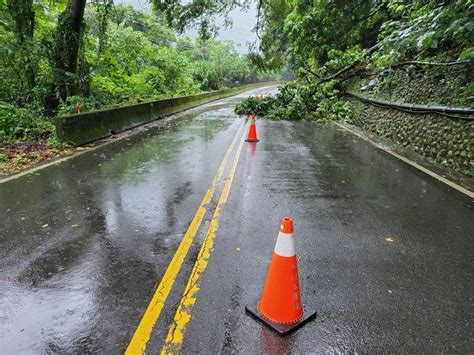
(252, 136)
(280, 305)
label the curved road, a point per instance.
(122, 247)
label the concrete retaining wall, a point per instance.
(441, 139)
(90, 126)
(444, 140)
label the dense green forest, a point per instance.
(116, 55)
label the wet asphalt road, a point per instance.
(385, 251)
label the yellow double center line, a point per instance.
(175, 337)
(143, 332)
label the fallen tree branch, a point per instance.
(416, 108)
(307, 80)
(350, 66)
(311, 71)
(420, 63)
(359, 72)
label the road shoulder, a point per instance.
(462, 183)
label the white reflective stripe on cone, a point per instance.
(285, 245)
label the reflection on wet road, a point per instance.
(83, 243)
(385, 251)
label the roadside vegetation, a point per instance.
(56, 60)
(332, 43)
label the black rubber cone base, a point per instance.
(252, 140)
(282, 329)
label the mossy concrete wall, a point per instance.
(90, 126)
(441, 139)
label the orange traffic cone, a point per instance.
(280, 305)
(252, 136)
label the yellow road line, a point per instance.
(143, 332)
(175, 337)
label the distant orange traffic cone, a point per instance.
(252, 136)
(280, 305)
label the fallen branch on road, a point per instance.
(416, 108)
(420, 63)
(350, 66)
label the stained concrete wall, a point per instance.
(90, 126)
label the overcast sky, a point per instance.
(240, 33)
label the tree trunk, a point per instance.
(22, 13)
(103, 12)
(68, 42)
